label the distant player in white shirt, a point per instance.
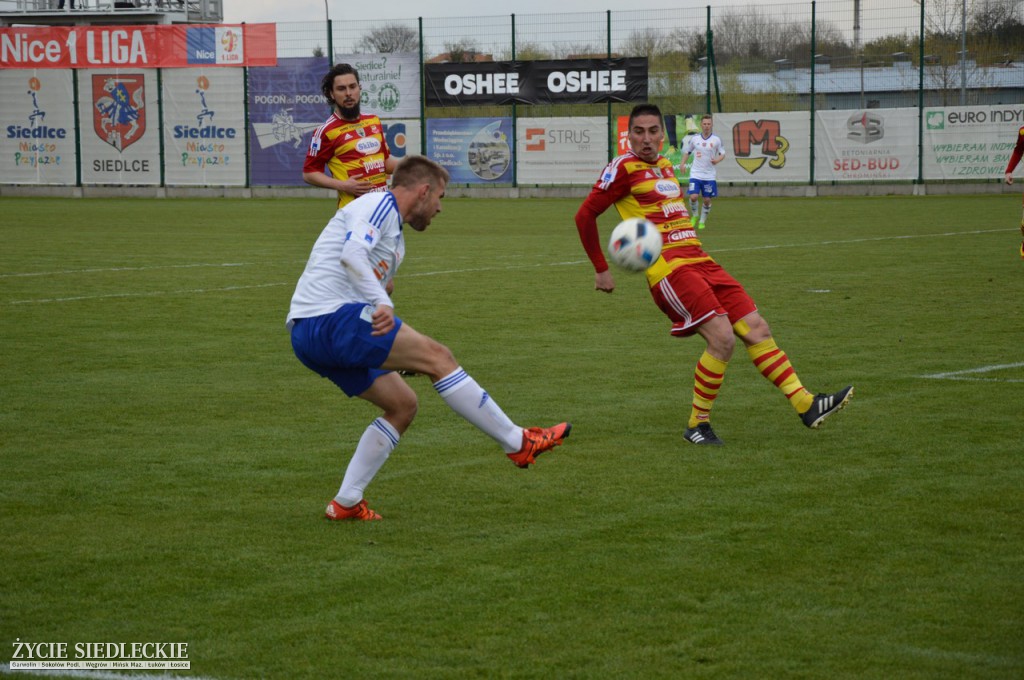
(343, 327)
(708, 151)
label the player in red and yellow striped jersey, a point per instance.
(1018, 152)
(692, 290)
(350, 145)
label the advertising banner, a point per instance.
(562, 81)
(119, 118)
(390, 83)
(561, 150)
(970, 142)
(138, 46)
(472, 150)
(404, 137)
(285, 107)
(866, 144)
(204, 127)
(38, 122)
(764, 147)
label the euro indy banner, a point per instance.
(38, 143)
(561, 81)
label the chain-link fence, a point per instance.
(833, 54)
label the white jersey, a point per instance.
(367, 230)
(701, 152)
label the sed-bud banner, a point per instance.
(562, 81)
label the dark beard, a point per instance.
(349, 114)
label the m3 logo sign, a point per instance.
(765, 134)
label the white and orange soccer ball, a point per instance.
(635, 244)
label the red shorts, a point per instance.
(695, 293)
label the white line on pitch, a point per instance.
(468, 270)
(962, 375)
(150, 294)
(124, 269)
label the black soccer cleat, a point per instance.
(703, 435)
(825, 405)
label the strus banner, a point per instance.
(138, 46)
(561, 81)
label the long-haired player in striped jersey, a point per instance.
(693, 291)
(343, 327)
(1018, 153)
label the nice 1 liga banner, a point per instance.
(204, 126)
(38, 144)
(119, 115)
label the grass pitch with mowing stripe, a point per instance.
(166, 460)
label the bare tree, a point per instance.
(391, 37)
(645, 42)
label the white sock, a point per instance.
(469, 400)
(694, 207)
(704, 213)
(376, 444)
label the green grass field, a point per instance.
(166, 459)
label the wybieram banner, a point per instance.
(562, 81)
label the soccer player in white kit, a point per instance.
(708, 151)
(343, 327)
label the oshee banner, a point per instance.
(970, 142)
(204, 127)
(285, 107)
(561, 150)
(119, 116)
(38, 141)
(573, 81)
(138, 46)
(473, 150)
(764, 147)
(866, 144)
(390, 82)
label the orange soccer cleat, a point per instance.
(359, 511)
(537, 440)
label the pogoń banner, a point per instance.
(563, 81)
(285, 107)
(138, 46)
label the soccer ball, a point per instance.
(635, 244)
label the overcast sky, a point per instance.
(237, 11)
(878, 17)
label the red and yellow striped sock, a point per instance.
(774, 365)
(707, 380)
